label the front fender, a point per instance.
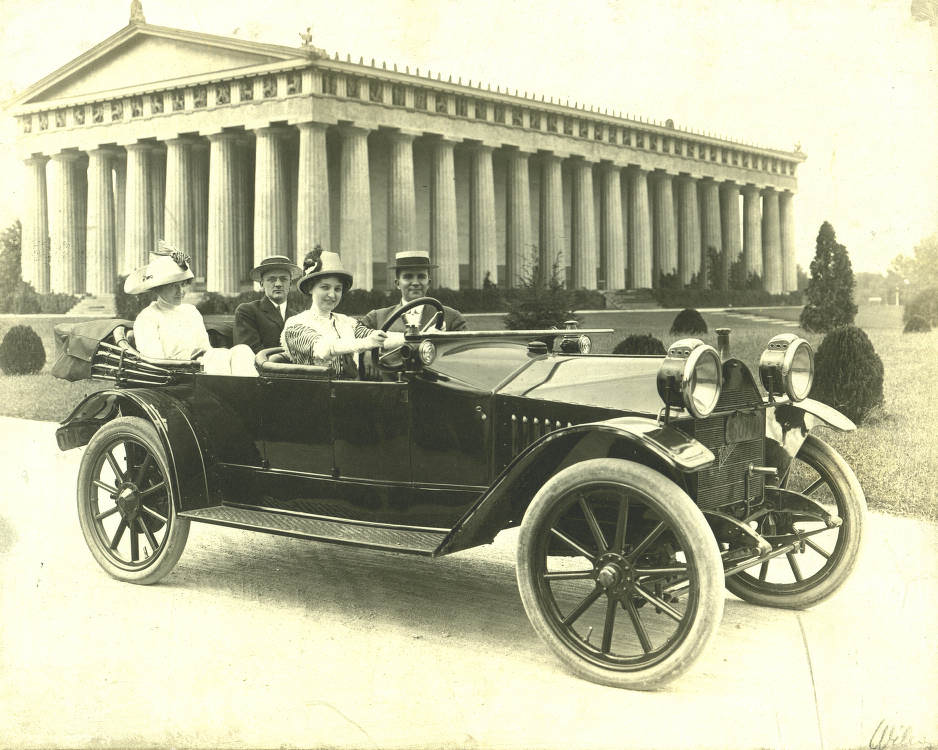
(787, 427)
(174, 425)
(639, 439)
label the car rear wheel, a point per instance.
(126, 505)
(826, 558)
(619, 573)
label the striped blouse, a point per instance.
(309, 337)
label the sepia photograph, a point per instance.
(459, 374)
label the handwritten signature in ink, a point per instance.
(897, 736)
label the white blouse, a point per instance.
(170, 332)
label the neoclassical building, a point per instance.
(235, 150)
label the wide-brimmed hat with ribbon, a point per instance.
(412, 259)
(168, 265)
(276, 263)
(319, 263)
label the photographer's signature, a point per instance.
(888, 735)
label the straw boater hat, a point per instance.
(412, 259)
(321, 263)
(276, 263)
(168, 265)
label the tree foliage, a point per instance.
(21, 351)
(848, 373)
(541, 300)
(830, 290)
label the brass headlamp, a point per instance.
(691, 377)
(787, 367)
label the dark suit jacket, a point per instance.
(258, 323)
(452, 319)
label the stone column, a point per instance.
(312, 206)
(81, 216)
(729, 221)
(223, 250)
(200, 170)
(787, 221)
(271, 212)
(66, 271)
(483, 257)
(519, 239)
(584, 227)
(355, 207)
(139, 238)
(444, 243)
(179, 211)
(771, 243)
(711, 234)
(101, 250)
(612, 240)
(402, 209)
(119, 168)
(752, 230)
(157, 193)
(688, 231)
(665, 231)
(640, 250)
(551, 216)
(245, 170)
(34, 258)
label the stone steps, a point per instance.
(99, 306)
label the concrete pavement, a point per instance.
(264, 641)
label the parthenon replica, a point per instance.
(234, 150)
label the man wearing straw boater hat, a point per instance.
(259, 323)
(412, 277)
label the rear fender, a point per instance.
(638, 439)
(174, 425)
(787, 427)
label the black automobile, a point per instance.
(643, 485)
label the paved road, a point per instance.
(262, 641)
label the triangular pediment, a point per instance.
(141, 55)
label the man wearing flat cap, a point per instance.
(259, 324)
(412, 277)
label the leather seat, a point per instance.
(274, 361)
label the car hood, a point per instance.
(626, 383)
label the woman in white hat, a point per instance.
(320, 336)
(170, 329)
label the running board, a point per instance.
(412, 541)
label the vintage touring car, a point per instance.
(642, 485)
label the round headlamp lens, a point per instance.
(800, 376)
(427, 351)
(704, 377)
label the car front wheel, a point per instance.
(126, 504)
(619, 573)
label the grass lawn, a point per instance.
(895, 453)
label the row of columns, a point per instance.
(212, 202)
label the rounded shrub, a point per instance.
(848, 373)
(640, 343)
(917, 324)
(924, 305)
(688, 320)
(21, 351)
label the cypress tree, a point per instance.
(830, 289)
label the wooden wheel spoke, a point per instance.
(795, 568)
(659, 603)
(148, 534)
(584, 605)
(112, 491)
(134, 544)
(622, 522)
(646, 542)
(105, 513)
(112, 462)
(763, 570)
(594, 526)
(118, 533)
(151, 490)
(568, 541)
(609, 624)
(637, 624)
(142, 469)
(818, 548)
(152, 513)
(569, 575)
(813, 487)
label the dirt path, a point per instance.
(263, 641)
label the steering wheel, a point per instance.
(385, 361)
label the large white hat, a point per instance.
(319, 263)
(168, 265)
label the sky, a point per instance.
(855, 82)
